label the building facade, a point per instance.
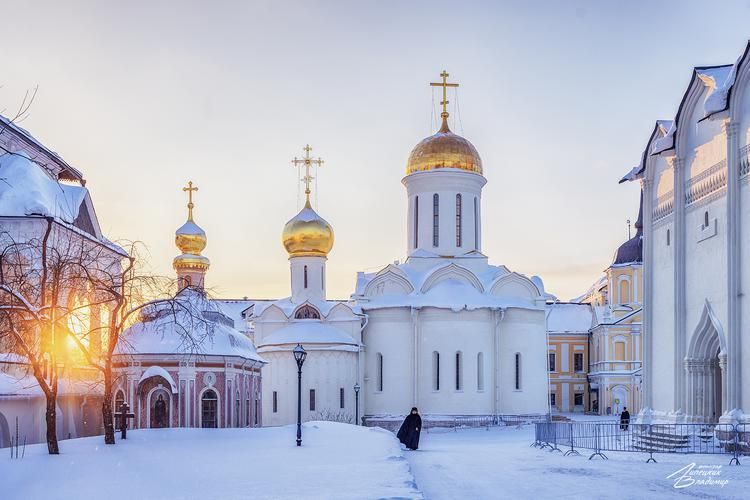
(694, 176)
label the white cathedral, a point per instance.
(444, 331)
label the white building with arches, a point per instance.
(446, 331)
(694, 174)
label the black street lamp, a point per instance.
(299, 356)
(356, 404)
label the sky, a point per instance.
(558, 97)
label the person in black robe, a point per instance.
(160, 411)
(410, 429)
(624, 419)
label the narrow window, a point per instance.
(667, 237)
(458, 220)
(322, 280)
(705, 219)
(416, 221)
(312, 399)
(257, 411)
(552, 399)
(237, 409)
(341, 397)
(578, 399)
(476, 224)
(578, 362)
(435, 371)
(480, 372)
(435, 220)
(380, 372)
(305, 276)
(518, 371)
(619, 351)
(551, 361)
(247, 410)
(459, 372)
(275, 402)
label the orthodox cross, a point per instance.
(308, 162)
(123, 415)
(444, 75)
(190, 190)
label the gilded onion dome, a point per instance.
(307, 234)
(444, 150)
(191, 240)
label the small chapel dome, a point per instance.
(190, 238)
(307, 234)
(444, 150)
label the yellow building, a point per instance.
(595, 349)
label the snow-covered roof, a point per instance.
(26, 189)
(62, 169)
(569, 318)
(307, 332)
(15, 384)
(448, 285)
(158, 371)
(233, 309)
(288, 307)
(191, 328)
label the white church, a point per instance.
(694, 174)
(445, 331)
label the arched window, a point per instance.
(435, 220)
(624, 292)
(518, 371)
(476, 224)
(620, 351)
(247, 409)
(458, 220)
(379, 368)
(480, 372)
(305, 271)
(459, 371)
(209, 409)
(705, 219)
(307, 312)
(416, 221)
(435, 371)
(237, 409)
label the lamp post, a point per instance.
(356, 404)
(299, 356)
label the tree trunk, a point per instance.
(107, 415)
(51, 419)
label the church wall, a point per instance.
(325, 371)
(448, 332)
(389, 332)
(662, 302)
(523, 331)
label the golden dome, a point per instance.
(190, 238)
(307, 234)
(444, 150)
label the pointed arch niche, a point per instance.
(705, 367)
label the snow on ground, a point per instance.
(499, 463)
(335, 461)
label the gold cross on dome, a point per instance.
(189, 188)
(444, 75)
(308, 162)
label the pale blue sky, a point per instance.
(558, 97)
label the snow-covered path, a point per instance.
(336, 461)
(499, 463)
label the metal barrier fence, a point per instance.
(599, 437)
(479, 421)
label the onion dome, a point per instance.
(191, 240)
(444, 150)
(307, 234)
(631, 252)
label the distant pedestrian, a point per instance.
(624, 419)
(410, 429)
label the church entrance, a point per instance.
(4, 432)
(159, 406)
(705, 364)
(209, 409)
